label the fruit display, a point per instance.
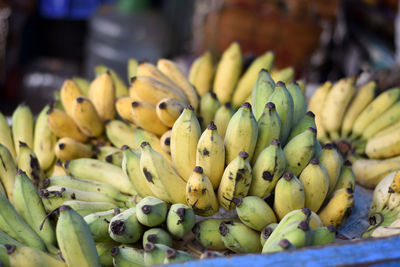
(116, 175)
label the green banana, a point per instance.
(115, 158)
(303, 124)
(222, 118)
(175, 256)
(8, 169)
(157, 236)
(22, 126)
(209, 105)
(154, 254)
(239, 238)
(6, 239)
(103, 250)
(323, 235)
(207, 233)
(282, 245)
(332, 160)
(263, 88)
(98, 223)
(266, 232)
(6, 138)
(124, 256)
(299, 103)
(346, 179)
(28, 162)
(151, 211)
(125, 227)
(180, 220)
(84, 208)
(120, 133)
(83, 84)
(103, 151)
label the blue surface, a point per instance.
(69, 9)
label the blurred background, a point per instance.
(44, 42)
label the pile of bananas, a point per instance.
(365, 125)
(104, 163)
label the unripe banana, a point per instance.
(282, 245)
(315, 180)
(125, 227)
(28, 204)
(268, 168)
(120, 133)
(210, 154)
(180, 220)
(303, 124)
(103, 250)
(363, 97)
(144, 115)
(200, 193)
(323, 235)
(99, 222)
(266, 232)
(254, 212)
(6, 239)
(284, 107)
(63, 125)
(102, 95)
(151, 211)
(332, 160)
(239, 238)
(346, 179)
(8, 169)
(68, 93)
(285, 75)
(339, 208)
(126, 256)
(300, 150)
(69, 149)
(74, 239)
(123, 106)
(168, 110)
(269, 128)
(315, 221)
(154, 254)
(121, 89)
(157, 236)
(43, 140)
(28, 162)
(299, 103)
(6, 138)
(184, 137)
(228, 73)
(222, 118)
(22, 126)
(241, 133)
(209, 105)
(84, 208)
(175, 256)
(201, 73)
(235, 182)
(132, 68)
(85, 116)
(263, 88)
(385, 146)
(82, 83)
(289, 195)
(165, 142)
(207, 233)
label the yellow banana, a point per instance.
(388, 118)
(22, 126)
(285, 75)
(85, 116)
(208, 107)
(148, 69)
(385, 146)
(222, 117)
(132, 68)
(332, 160)
(123, 106)
(144, 115)
(165, 142)
(145, 136)
(83, 84)
(347, 178)
(228, 73)
(102, 94)
(201, 73)
(69, 149)
(387, 130)
(240, 238)
(56, 169)
(363, 97)
(5, 135)
(27, 257)
(121, 89)
(8, 169)
(168, 110)
(338, 209)
(28, 162)
(120, 133)
(306, 122)
(68, 93)
(63, 125)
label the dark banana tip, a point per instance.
(10, 248)
(284, 243)
(212, 126)
(22, 144)
(246, 105)
(329, 146)
(167, 141)
(228, 105)
(314, 161)
(135, 104)
(331, 228)
(200, 119)
(181, 213)
(306, 211)
(275, 142)
(152, 238)
(347, 163)
(263, 70)
(313, 130)
(50, 110)
(270, 105)
(64, 207)
(146, 209)
(209, 254)
(280, 83)
(237, 201)
(149, 247)
(198, 169)
(144, 144)
(213, 95)
(349, 190)
(117, 227)
(196, 228)
(117, 211)
(162, 105)
(295, 83)
(114, 251)
(288, 176)
(243, 154)
(58, 163)
(80, 99)
(170, 253)
(66, 164)
(108, 158)
(124, 147)
(303, 226)
(189, 107)
(133, 79)
(223, 229)
(390, 190)
(310, 114)
(46, 182)
(61, 146)
(107, 122)
(19, 172)
(266, 232)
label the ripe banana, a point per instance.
(145, 136)
(339, 208)
(387, 130)
(332, 160)
(201, 73)
(120, 88)
(299, 103)
(98, 223)
(263, 88)
(56, 169)
(22, 126)
(165, 142)
(125, 227)
(144, 115)
(28, 162)
(132, 68)
(209, 105)
(120, 133)
(303, 124)
(285, 75)
(157, 236)
(180, 220)
(126, 256)
(115, 158)
(102, 95)
(389, 117)
(168, 110)
(68, 93)
(148, 69)
(82, 83)
(6, 138)
(385, 146)
(346, 179)
(8, 169)
(207, 233)
(69, 149)
(63, 125)
(151, 211)
(222, 117)
(239, 238)
(86, 118)
(11, 255)
(123, 106)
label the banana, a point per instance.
(299, 103)
(282, 245)
(180, 220)
(346, 179)
(383, 231)
(266, 232)
(115, 158)
(387, 130)
(121, 89)
(126, 256)
(148, 69)
(123, 106)
(125, 227)
(176, 256)
(98, 223)
(96, 170)
(209, 105)
(332, 160)
(254, 212)
(303, 124)
(168, 110)
(151, 211)
(153, 90)
(22, 126)
(284, 107)
(157, 236)
(82, 83)
(184, 137)
(68, 93)
(120, 133)
(285, 75)
(6, 138)
(56, 169)
(241, 133)
(201, 73)
(263, 88)
(173, 72)
(86, 118)
(249, 78)
(144, 115)
(362, 98)
(222, 117)
(316, 104)
(381, 194)
(84, 208)
(323, 235)
(69, 149)
(11, 255)
(63, 125)
(103, 250)
(102, 94)
(28, 162)
(6, 239)
(28, 204)
(374, 110)
(339, 208)
(206, 232)
(269, 128)
(300, 150)
(154, 254)
(239, 238)
(74, 239)
(132, 68)
(8, 169)
(268, 168)
(235, 182)
(210, 154)
(385, 146)
(200, 193)
(228, 72)
(389, 117)
(315, 180)
(104, 151)
(162, 179)
(165, 142)
(315, 221)
(302, 85)
(145, 136)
